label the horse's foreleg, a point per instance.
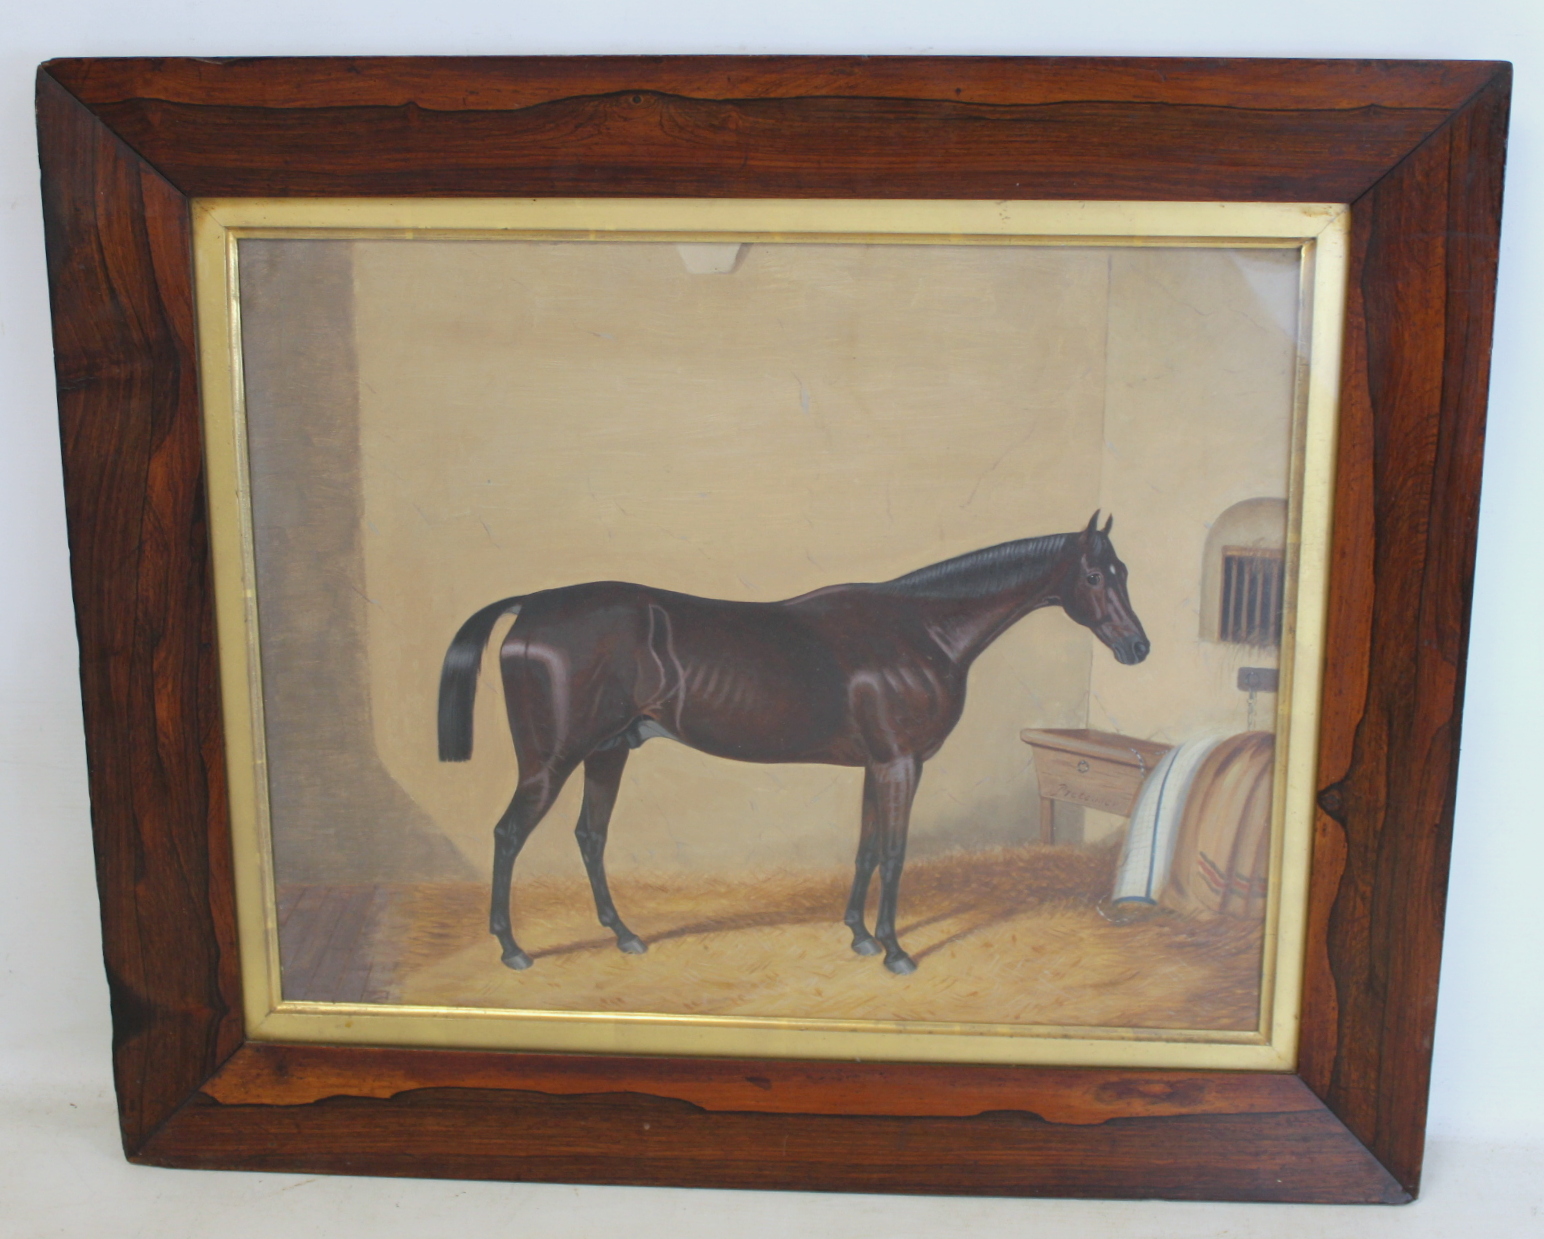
(602, 777)
(895, 786)
(868, 856)
(532, 799)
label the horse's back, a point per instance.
(753, 681)
(746, 680)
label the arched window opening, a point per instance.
(1244, 574)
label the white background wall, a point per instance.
(60, 1171)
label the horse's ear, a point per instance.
(1107, 524)
(1089, 530)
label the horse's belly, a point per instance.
(762, 717)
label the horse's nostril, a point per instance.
(1142, 648)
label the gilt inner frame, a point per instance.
(1318, 231)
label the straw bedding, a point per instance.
(1014, 936)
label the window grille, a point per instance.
(1251, 596)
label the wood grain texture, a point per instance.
(1407, 510)
(123, 335)
(502, 83)
(1417, 146)
(639, 1139)
(726, 127)
(273, 1074)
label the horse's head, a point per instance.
(1094, 594)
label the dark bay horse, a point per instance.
(869, 675)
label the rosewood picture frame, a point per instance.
(1416, 149)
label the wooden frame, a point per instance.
(1415, 147)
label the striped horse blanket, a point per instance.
(1199, 837)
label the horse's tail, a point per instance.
(458, 678)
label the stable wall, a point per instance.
(438, 424)
(1199, 388)
(537, 415)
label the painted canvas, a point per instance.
(843, 631)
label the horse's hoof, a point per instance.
(865, 946)
(632, 945)
(517, 959)
(902, 965)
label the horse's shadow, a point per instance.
(981, 916)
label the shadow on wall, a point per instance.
(326, 778)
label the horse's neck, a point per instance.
(964, 627)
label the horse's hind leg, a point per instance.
(602, 777)
(868, 856)
(532, 799)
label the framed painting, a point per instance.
(979, 547)
(718, 394)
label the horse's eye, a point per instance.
(1093, 578)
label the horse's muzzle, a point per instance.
(1131, 650)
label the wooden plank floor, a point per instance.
(326, 940)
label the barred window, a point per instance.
(1251, 596)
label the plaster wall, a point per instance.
(536, 415)
(525, 416)
(1197, 416)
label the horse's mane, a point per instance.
(988, 571)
